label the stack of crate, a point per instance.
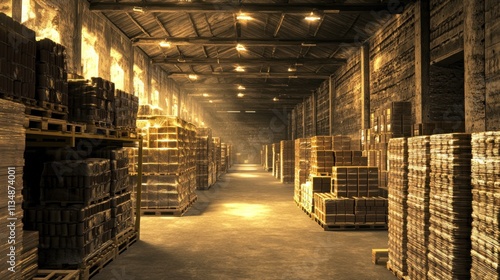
(321, 155)
(450, 207)
(398, 207)
(315, 184)
(287, 161)
(276, 157)
(419, 156)
(149, 110)
(216, 141)
(351, 181)
(392, 121)
(51, 76)
(17, 61)
(126, 108)
(302, 155)
(485, 205)
(169, 164)
(11, 172)
(268, 157)
(205, 165)
(224, 157)
(92, 103)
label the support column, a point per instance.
(365, 87)
(304, 118)
(422, 61)
(474, 66)
(314, 113)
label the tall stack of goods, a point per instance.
(450, 207)
(224, 158)
(392, 121)
(169, 165)
(17, 60)
(268, 157)
(276, 159)
(205, 164)
(419, 157)
(92, 102)
(51, 76)
(302, 155)
(217, 144)
(29, 258)
(126, 109)
(12, 146)
(287, 161)
(485, 205)
(229, 156)
(398, 207)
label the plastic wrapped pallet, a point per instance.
(485, 205)
(398, 208)
(419, 156)
(450, 207)
(12, 145)
(302, 155)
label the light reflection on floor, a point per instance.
(246, 210)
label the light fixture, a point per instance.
(138, 9)
(210, 101)
(308, 45)
(240, 87)
(165, 44)
(239, 69)
(251, 112)
(293, 77)
(312, 17)
(275, 99)
(193, 77)
(243, 16)
(240, 47)
(234, 112)
(292, 68)
(205, 95)
(240, 94)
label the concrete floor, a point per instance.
(246, 227)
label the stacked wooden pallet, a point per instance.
(450, 207)
(485, 205)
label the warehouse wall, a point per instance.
(492, 65)
(446, 32)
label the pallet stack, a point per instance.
(276, 156)
(391, 121)
(302, 155)
(126, 109)
(17, 60)
(450, 207)
(51, 76)
(287, 161)
(321, 155)
(169, 165)
(11, 171)
(485, 206)
(268, 157)
(205, 164)
(351, 181)
(224, 157)
(419, 156)
(217, 144)
(398, 207)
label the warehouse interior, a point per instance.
(246, 139)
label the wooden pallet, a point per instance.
(379, 253)
(52, 106)
(46, 274)
(176, 211)
(98, 260)
(396, 272)
(350, 226)
(46, 113)
(75, 128)
(125, 239)
(126, 133)
(99, 130)
(18, 99)
(45, 124)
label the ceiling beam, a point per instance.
(249, 61)
(213, 41)
(268, 86)
(253, 75)
(289, 8)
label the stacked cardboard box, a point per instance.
(29, 258)
(419, 156)
(92, 102)
(17, 61)
(331, 210)
(392, 121)
(268, 157)
(205, 164)
(169, 163)
(350, 181)
(485, 205)
(51, 75)
(370, 210)
(287, 161)
(11, 172)
(224, 157)
(149, 110)
(126, 108)
(450, 207)
(216, 141)
(302, 155)
(398, 208)
(275, 160)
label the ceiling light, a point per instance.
(193, 77)
(181, 60)
(210, 101)
(239, 69)
(240, 47)
(138, 9)
(292, 69)
(233, 111)
(205, 95)
(293, 77)
(249, 111)
(308, 45)
(165, 44)
(240, 94)
(243, 16)
(312, 17)
(241, 87)
(275, 99)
